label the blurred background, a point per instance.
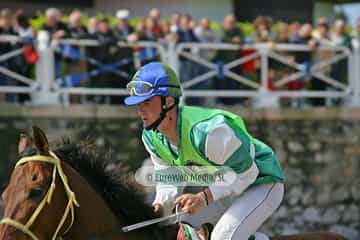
(290, 68)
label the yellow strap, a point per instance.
(37, 211)
(46, 199)
(62, 221)
(36, 158)
(63, 177)
(19, 226)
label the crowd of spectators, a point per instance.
(181, 28)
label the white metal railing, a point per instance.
(46, 90)
(110, 91)
(259, 89)
(354, 69)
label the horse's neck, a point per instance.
(93, 215)
(95, 218)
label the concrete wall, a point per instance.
(319, 151)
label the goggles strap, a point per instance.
(163, 112)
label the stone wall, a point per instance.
(319, 151)
(321, 161)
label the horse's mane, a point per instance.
(115, 185)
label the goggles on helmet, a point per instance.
(142, 88)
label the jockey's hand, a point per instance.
(158, 208)
(191, 203)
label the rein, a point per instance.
(47, 198)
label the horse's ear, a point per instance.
(24, 141)
(40, 140)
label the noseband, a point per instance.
(47, 198)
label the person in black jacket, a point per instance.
(122, 32)
(57, 30)
(53, 24)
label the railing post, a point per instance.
(354, 73)
(45, 73)
(265, 99)
(172, 56)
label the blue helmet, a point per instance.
(153, 79)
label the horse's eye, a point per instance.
(34, 177)
(35, 192)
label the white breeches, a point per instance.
(237, 218)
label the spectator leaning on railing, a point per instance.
(339, 72)
(92, 26)
(175, 22)
(53, 24)
(322, 37)
(293, 28)
(76, 30)
(262, 27)
(122, 29)
(122, 32)
(168, 35)
(22, 27)
(6, 28)
(185, 34)
(339, 37)
(57, 30)
(155, 15)
(233, 34)
(104, 55)
(91, 51)
(303, 37)
(278, 70)
(205, 34)
(262, 34)
(24, 65)
(6, 20)
(152, 30)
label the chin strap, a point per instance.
(164, 110)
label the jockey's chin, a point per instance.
(145, 123)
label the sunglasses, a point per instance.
(141, 88)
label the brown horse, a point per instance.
(69, 193)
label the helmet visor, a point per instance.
(139, 88)
(142, 88)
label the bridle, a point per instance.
(25, 228)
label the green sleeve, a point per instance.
(147, 140)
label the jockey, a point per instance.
(176, 135)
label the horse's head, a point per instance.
(31, 201)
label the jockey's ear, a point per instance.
(24, 142)
(40, 140)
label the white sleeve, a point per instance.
(165, 193)
(242, 182)
(220, 151)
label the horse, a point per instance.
(69, 193)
